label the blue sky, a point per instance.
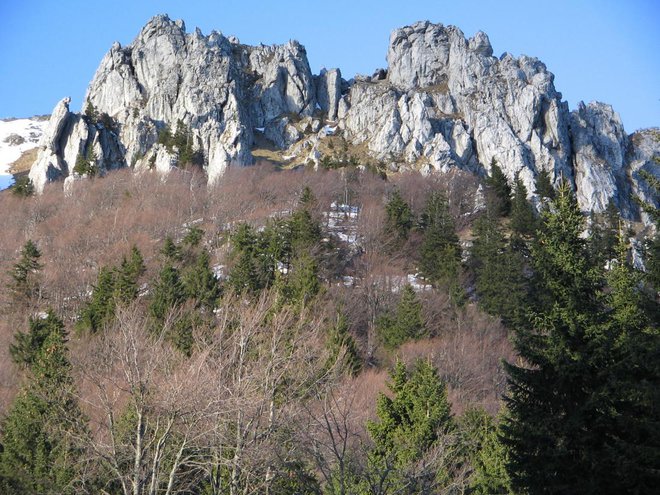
(603, 50)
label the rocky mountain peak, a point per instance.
(444, 101)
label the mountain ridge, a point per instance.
(444, 101)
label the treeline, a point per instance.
(237, 358)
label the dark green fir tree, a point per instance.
(544, 187)
(25, 286)
(411, 420)
(342, 348)
(501, 190)
(523, 218)
(407, 324)
(41, 431)
(440, 253)
(568, 404)
(399, 218)
(500, 285)
(100, 310)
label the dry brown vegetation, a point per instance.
(96, 222)
(24, 162)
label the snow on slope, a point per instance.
(16, 137)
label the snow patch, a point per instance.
(16, 137)
(328, 130)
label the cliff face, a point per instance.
(443, 102)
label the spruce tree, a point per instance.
(411, 419)
(544, 187)
(631, 437)
(440, 253)
(523, 219)
(27, 345)
(340, 344)
(303, 280)
(100, 309)
(604, 231)
(305, 230)
(244, 238)
(498, 268)
(652, 245)
(193, 237)
(407, 324)
(91, 113)
(499, 185)
(399, 218)
(39, 453)
(247, 273)
(23, 187)
(557, 402)
(25, 285)
(243, 278)
(128, 275)
(307, 198)
(200, 283)
(168, 293)
(490, 475)
(170, 250)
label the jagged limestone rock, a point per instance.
(283, 81)
(49, 163)
(328, 91)
(599, 145)
(444, 101)
(69, 135)
(508, 108)
(644, 154)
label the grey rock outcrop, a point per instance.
(50, 164)
(328, 91)
(444, 101)
(643, 154)
(599, 148)
(219, 89)
(448, 102)
(68, 136)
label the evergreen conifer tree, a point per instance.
(652, 247)
(39, 454)
(490, 475)
(631, 439)
(27, 346)
(499, 281)
(200, 283)
(127, 276)
(340, 343)
(399, 219)
(307, 198)
(243, 277)
(544, 187)
(566, 408)
(501, 189)
(406, 324)
(523, 219)
(440, 253)
(193, 237)
(168, 293)
(303, 280)
(409, 424)
(25, 285)
(23, 187)
(170, 250)
(604, 231)
(100, 310)
(305, 231)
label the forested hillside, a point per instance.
(325, 332)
